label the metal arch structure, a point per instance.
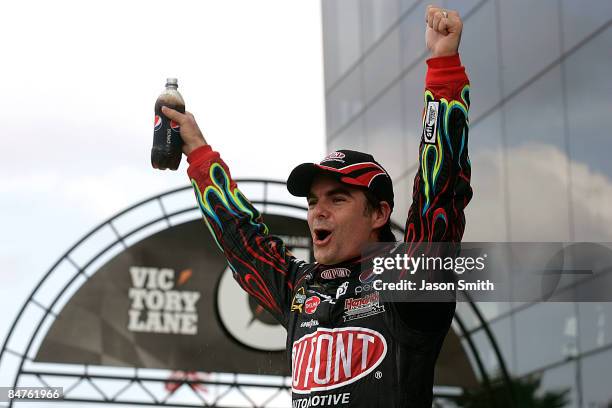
(35, 374)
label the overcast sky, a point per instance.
(79, 83)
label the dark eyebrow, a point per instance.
(338, 190)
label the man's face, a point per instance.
(338, 221)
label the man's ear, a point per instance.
(381, 215)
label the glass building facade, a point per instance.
(540, 147)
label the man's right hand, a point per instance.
(190, 132)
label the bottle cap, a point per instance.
(172, 81)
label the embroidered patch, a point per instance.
(298, 301)
(430, 122)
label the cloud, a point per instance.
(540, 195)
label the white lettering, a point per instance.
(190, 323)
(158, 309)
(154, 323)
(296, 374)
(165, 279)
(322, 400)
(152, 275)
(364, 348)
(157, 322)
(415, 264)
(134, 323)
(328, 359)
(190, 299)
(137, 296)
(173, 301)
(139, 276)
(309, 362)
(172, 323)
(342, 355)
(378, 269)
(154, 300)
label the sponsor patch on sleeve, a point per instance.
(430, 122)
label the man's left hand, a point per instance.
(443, 31)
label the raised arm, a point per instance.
(260, 263)
(441, 188)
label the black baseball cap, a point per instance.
(348, 167)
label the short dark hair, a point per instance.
(385, 234)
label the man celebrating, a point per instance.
(347, 347)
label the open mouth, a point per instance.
(321, 236)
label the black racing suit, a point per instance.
(347, 347)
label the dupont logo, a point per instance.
(335, 273)
(332, 358)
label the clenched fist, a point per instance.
(443, 31)
(190, 132)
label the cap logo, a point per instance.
(335, 156)
(361, 174)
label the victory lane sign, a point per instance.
(156, 307)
